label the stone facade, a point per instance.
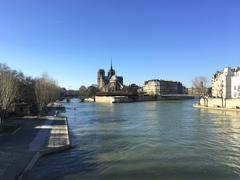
(235, 81)
(221, 82)
(22, 109)
(159, 86)
(109, 83)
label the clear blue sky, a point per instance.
(147, 39)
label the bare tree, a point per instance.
(26, 91)
(83, 91)
(47, 91)
(130, 88)
(8, 89)
(92, 90)
(199, 85)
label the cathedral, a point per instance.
(109, 83)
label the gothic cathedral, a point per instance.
(109, 83)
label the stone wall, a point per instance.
(220, 102)
(104, 99)
(22, 109)
(233, 103)
(126, 99)
(214, 102)
(89, 99)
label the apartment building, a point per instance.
(222, 82)
(235, 84)
(160, 86)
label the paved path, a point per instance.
(19, 152)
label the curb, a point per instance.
(69, 137)
(30, 166)
(37, 156)
(54, 150)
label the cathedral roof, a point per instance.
(114, 78)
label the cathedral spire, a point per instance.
(111, 64)
(111, 71)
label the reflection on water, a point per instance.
(146, 140)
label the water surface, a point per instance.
(146, 140)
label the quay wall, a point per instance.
(211, 102)
(104, 99)
(220, 102)
(126, 99)
(176, 97)
(89, 99)
(233, 103)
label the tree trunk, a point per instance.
(2, 117)
(198, 100)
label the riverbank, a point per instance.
(215, 108)
(37, 137)
(127, 99)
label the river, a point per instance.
(146, 140)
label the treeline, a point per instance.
(118, 93)
(15, 87)
(94, 91)
(88, 92)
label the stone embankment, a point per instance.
(126, 99)
(219, 103)
(215, 108)
(37, 137)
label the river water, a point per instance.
(146, 140)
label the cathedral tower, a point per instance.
(100, 79)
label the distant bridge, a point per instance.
(72, 97)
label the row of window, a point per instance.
(235, 94)
(236, 87)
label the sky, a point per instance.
(146, 39)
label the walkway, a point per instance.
(20, 152)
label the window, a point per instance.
(234, 87)
(235, 94)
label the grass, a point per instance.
(9, 129)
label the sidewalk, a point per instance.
(20, 152)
